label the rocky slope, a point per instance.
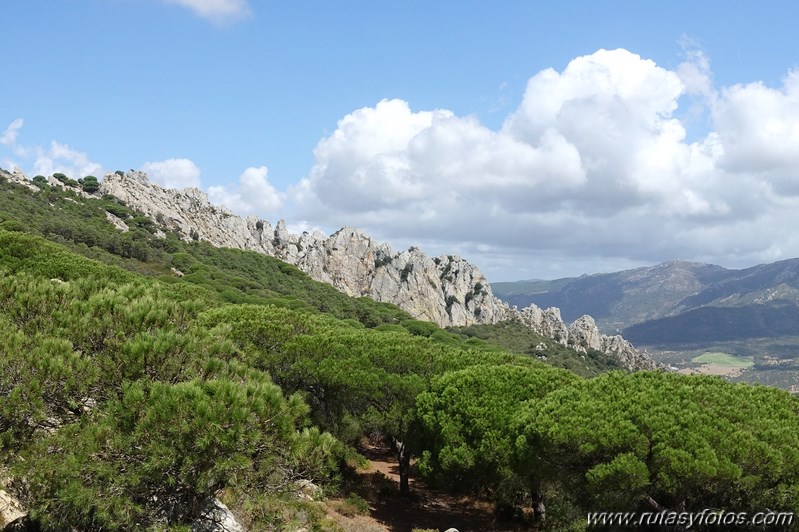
(18, 176)
(446, 290)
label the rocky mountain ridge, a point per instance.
(446, 290)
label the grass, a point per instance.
(352, 506)
(724, 359)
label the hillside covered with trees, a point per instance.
(142, 377)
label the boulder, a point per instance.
(216, 518)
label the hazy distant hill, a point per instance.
(618, 300)
(676, 302)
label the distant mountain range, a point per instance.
(675, 302)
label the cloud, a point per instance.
(390, 158)
(253, 195)
(758, 127)
(61, 158)
(593, 167)
(216, 10)
(57, 157)
(9, 136)
(173, 173)
(695, 71)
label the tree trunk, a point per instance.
(538, 503)
(404, 457)
(654, 504)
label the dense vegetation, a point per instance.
(131, 397)
(118, 411)
(517, 338)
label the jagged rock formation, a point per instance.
(584, 334)
(18, 176)
(446, 290)
(581, 335)
(545, 322)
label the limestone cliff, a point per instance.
(18, 176)
(446, 290)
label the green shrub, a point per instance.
(406, 271)
(13, 225)
(162, 451)
(451, 300)
(391, 327)
(90, 184)
(419, 327)
(353, 505)
(120, 211)
(382, 260)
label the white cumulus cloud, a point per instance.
(252, 195)
(57, 157)
(173, 173)
(592, 167)
(758, 127)
(61, 158)
(9, 136)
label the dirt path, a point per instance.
(426, 508)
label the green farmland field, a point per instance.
(724, 359)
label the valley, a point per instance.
(677, 311)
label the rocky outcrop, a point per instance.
(545, 322)
(18, 176)
(216, 517)
(584, 334)
(117, 222)
(446, 290)
(10, 508)
(627, 355)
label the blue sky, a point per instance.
(258, 103)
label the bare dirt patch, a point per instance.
(425, 509)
